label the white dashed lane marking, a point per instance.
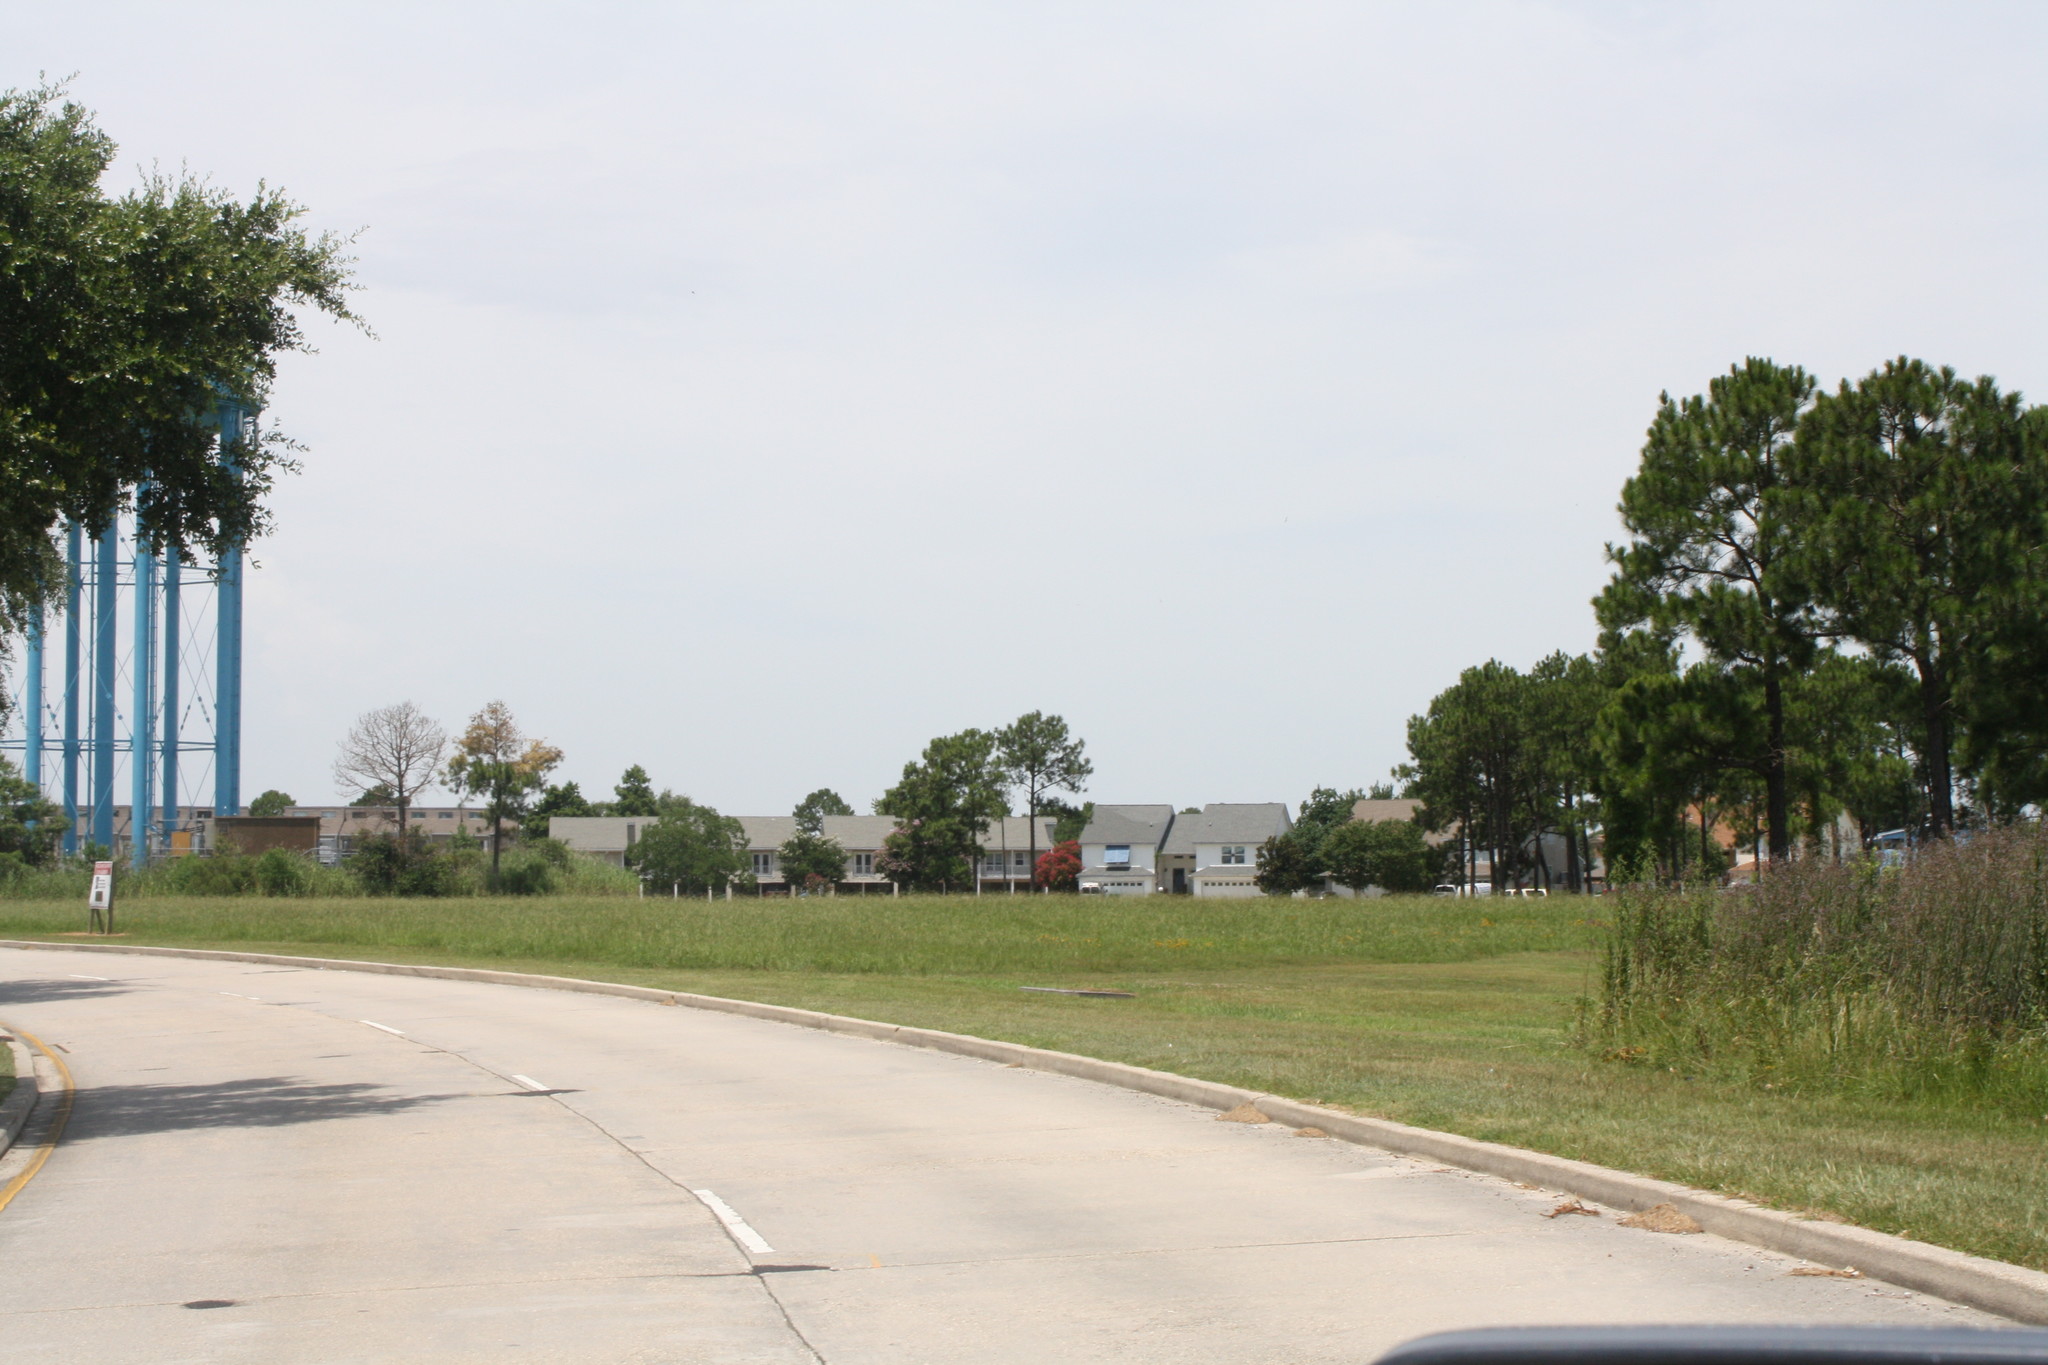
(736, 1225)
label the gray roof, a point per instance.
(1128, 825)
(1223, 822)
(1400, 808)
(855, 833)
(1014, 831)
(863, 833)
(598, 833)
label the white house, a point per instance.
(1120, 848)
(1216, 853)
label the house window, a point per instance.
(863, 864)
(1116, 855)
(992, 863)
(764, 864)
(444, 815)
(1020, 859)
(1233, 853)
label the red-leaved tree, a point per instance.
(1059, 867)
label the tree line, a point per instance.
(943, 805)
(1828, 604)
(943, 802)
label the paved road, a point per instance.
(357, 1194)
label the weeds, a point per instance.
(1929, 980)
(381, 868)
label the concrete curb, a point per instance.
(20, 1101)
(1995, 1286)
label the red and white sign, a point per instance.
(102, 897)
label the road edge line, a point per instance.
(1996, 1286)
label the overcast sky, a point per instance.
(759, 391)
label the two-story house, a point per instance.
(860, 835)
(1216, 853)
(1006, 852)
(1120, 849)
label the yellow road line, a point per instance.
(63, 1116)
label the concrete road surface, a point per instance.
(376, 1168)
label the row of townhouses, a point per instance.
(1005, 860)
(1125, 850)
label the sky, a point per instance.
(755, 392)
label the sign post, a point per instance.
(100, 902)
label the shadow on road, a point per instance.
(107, 1111)
(44, 991)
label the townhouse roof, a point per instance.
(1128, 825)
(1227, 822)
(1014, 831)
(1399, 808)
(1373, 810)
(598, 831)
(853, 832)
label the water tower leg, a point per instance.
(142, 716)
(32, 723)
(168, 760)
(73, 550)
(105, 593)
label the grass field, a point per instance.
(1448, 1014)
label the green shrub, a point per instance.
(224, 874)
(281, 872)
(526, 872)
(557, 854)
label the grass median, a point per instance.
(1447, 1014)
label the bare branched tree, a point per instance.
(396, 747)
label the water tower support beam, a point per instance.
(173, 568)
(73, 551)
(142, 718)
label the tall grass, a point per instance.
(1926, 980)
(1031, 936)
(525, 870)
